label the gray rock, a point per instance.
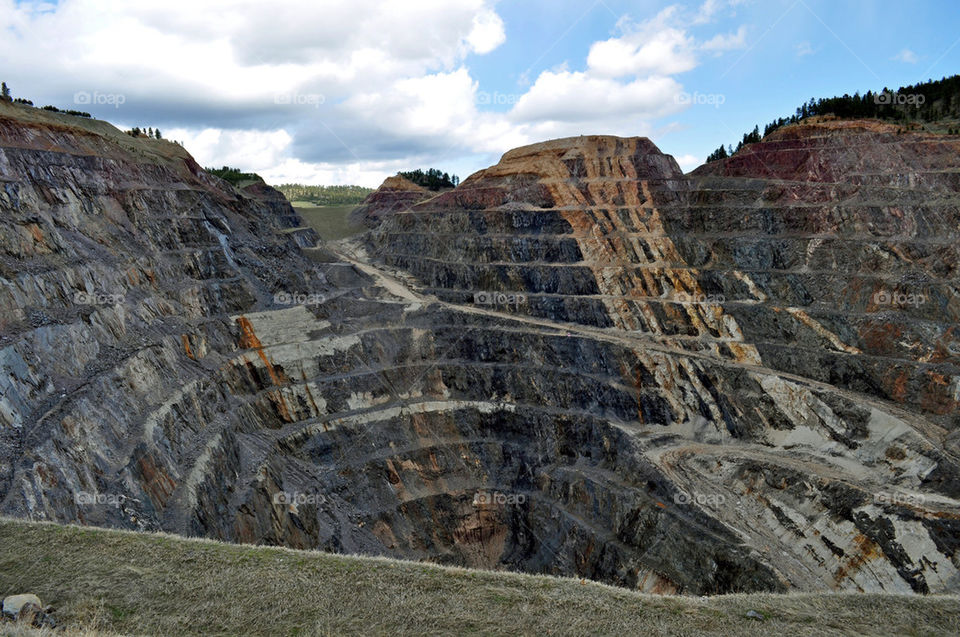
(13, 603)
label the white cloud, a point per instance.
(666, 52)
(259, 150)
(429, 105)
(628, 78)
(577, 96)
(726, 41)
(907, 56)
(688, 162)
(487, 33)
(343, 90)
(710, 8)
(652, 47)
(707, 10)
(219, 51)
(268, 154)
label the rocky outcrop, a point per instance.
(26, 610)
(580, 361)
(394, 194)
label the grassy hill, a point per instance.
(330, 222)
(108, 582)
(324, 195)
(933, 106)
(145, 148)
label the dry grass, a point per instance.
(142, 148)
(128, 583)
(330, 222)
(16, 630)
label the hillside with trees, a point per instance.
(6, 95)
(136, 131)
(233, 176)
(932, 101)
(324, 195)
(432, 178)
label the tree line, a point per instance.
(929, 101)
(432, 178)
(233, 176)
(136, 131)
(7, 96)
(325, 195)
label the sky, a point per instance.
(352, 91)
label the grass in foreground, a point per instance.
(120, 582)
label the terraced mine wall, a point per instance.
(689, 391)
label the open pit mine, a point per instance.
(581, 361)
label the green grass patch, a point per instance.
(331, 222)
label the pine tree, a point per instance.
(720, 153)
(5, 92)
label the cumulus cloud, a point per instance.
(629, 75)
(341, 90)
(649, 47)
(487, 33)
(577, 96)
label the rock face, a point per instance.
(580, 361)
(785, 325)
(394, 194)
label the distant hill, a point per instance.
(932, 101)
(324, 195)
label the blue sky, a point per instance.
(794, 51)
(350, 91)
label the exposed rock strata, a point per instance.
(696, 395)
(394, 195)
